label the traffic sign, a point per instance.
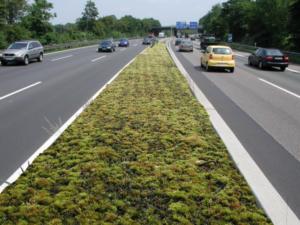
(181, 25)
(193, 25)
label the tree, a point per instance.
(294, 24)
(89, 17)
(38, 17)
(15, 10)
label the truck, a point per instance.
(161, 35)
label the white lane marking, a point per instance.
(262, 188)
(20, 90)
(294, 71)
(280, 88)
(59, 132)
(64, 57)
(70, 50)
(135, 45)
(97, 59)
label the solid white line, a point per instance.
(65, 57)
(70, 50)
(280, 88)
(273, 204)
(20, 90)
(59, 132)
(97, 59)
(294, 71)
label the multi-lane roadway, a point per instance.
(262, 108)
(36, 100)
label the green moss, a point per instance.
(144, 152)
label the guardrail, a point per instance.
(293, 56)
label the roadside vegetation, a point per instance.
(266, 23)
(25, 19)
(144, 152)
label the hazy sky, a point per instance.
(167, 11)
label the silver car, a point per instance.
(23, 51)
(186, 45)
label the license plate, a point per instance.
(278, 58)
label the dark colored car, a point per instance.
(23, 51)
(124, 42)
(207, 41)
(147, 41)
(178, 41)
(107, 46)
(267, 58)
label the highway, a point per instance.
(35, 100)
(262, 108)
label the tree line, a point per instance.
(24, 19)
(268, 23)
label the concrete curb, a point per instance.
(60, 131)
(270, 200)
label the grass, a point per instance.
(144, 152)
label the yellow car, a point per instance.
(217, 56)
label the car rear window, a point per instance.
(187, 42)
(222, 51)
(274, 52)
(18, 46)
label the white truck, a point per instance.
(161, 35)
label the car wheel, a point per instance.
(99, 50)
(231, 70)
(3, 63)
(282, 68)
(261, 65)
(41, 57)
(208, 68)
(249, 62)
(26, 60)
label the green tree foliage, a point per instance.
(294, 23)
(15, 9)
(264, 22)
(25, 19)
(89, 17)
(38, 16)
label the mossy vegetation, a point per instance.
(143, 153)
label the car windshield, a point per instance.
(18, 46)
(210, 39)
(274, 52)
(187, 42)
(123, 40)
(106, 43)
(222, 51)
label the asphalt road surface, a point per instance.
(263, 110)
(35, 100)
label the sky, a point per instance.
(166, 11)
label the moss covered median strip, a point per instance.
(144, 152)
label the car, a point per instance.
(178, 41)
(207, 41)
(186, 45)
(147, 41)
(267, 58)
(218, 56)
(124, 42)
(23, 52)
(107, 46)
